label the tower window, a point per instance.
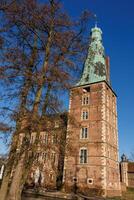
(85, 100)
(84, 133)
(83, 156)
(85, 114)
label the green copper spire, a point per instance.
(95, 67)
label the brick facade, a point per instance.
(100, 172)
(91, 163)
(47, 167)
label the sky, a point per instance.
(116, 19)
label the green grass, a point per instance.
(128, 195)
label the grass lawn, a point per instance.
(128, 195)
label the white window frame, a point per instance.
(82, 159)
(85, 100)
(84, 133)
(85, 114)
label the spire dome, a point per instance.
(95, 67)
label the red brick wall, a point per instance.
(102, 142)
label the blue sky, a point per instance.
(116, 19)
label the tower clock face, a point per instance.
(99, 69)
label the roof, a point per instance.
(95, 67)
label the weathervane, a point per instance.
(96, 20)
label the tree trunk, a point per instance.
(15, 188)
(43, 74)
(24, 93)
(4, 186)
(8, 169)
(17, 183)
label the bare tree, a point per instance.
(42, 49)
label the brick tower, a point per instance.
(91, 160)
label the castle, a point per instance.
(93, 161)
(81, 153)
